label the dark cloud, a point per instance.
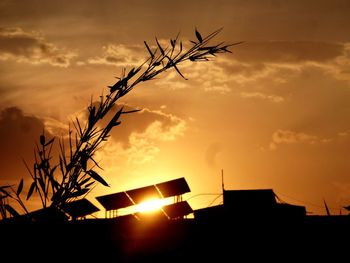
(282, 60)
(243, 20)
(18, 134)
(15, 44)
(287, 51)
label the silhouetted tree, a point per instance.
(74, 174)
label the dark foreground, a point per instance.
(313, 238)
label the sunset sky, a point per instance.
(273, 114)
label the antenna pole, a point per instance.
(222, 180)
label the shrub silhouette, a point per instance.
(75, 174)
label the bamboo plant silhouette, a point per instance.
(75, 174)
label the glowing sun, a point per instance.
(151, 205)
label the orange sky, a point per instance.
(274, 114)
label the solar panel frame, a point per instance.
(140, 195)
(114, 201)
(174, 187)
(177, 210)
(79, 208)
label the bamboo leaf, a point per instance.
(11, 210)
(123, 82)
(79, 130)
(53, 171)
(61, 166)
(160, 47)
(2, 197)
(130, 111)
(198, 35)
(79, 193)
(41, 183)
(84, 181)
(31, 189)
(131, 73)
(89, 184)
(55, 184)
(2, 190)
(83, 160)
(117, 123)
(50, 142)
(178, 71)
(91, 116)
(172, 42)
(20, 187)
(42, 140)
(97, 177)
(149, 50)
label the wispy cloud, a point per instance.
(259, 95)
(280, 137)
(31, 47)
(172, 81)
(119, 55)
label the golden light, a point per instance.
(150, 205)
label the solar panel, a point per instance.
(48, 214)
(174, 187)
(79, 208)
(142, 194)
(135, 196)
(114, 201)
(177, 210)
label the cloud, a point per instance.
(341, 64)
(259, 95)
(138, 137)
(279, 61)
(136, 141)
(252, 62)
(211, 154)
(343, 193)
(287, 51)
(18, 133)
(55, 127)
(31, 47)
(119, 55)
(210, 76)
(290, 137)
(343, 133)
(172, 81)
(143, 146)
(155, 128)
(223, 89)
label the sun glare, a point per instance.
(151, 205)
